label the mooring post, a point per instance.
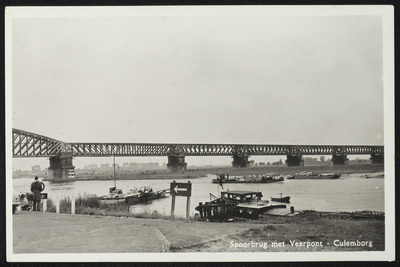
(58, 205)
(188, 209)
(44, 205)
(72, 205)
(173, 208)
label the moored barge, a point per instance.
(235, 204)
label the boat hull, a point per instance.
(235, 204)
(281, 199)
(375, 175)
(316, 177)
(112, 201)
(266, 181)
(143, 198)
(253, 212)
(140, 198)
(160, 194)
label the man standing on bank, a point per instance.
(36, 188)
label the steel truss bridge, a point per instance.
(27, 144)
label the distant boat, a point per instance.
(375, 175)
(250, 179)
(281, 199)
(313, 175)
(289, 176)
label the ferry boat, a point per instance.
(267, 178)
(144, 194)
(235, 204)
(134, 196)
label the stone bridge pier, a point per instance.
(339, 159)
(294, 160)
(176, 163)
(61, 167)
(240, 161)
(377, 158)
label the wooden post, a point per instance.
(188, 209)
(44, 205)
(58, 205)
(73, 205)
(173, 208)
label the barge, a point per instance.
(264, 179)
(313, 175)
(235, 204)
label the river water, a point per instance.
(348, 193)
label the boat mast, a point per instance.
(114, 172)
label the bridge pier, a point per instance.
(240, 161)
(61, 167)
(176, 163)
(294, 160)
(339, 159)
(377, 158)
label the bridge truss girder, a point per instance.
(26, 144)
(120, 149)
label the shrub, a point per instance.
(65, 205)
(147, 214)
(50, 206)
(87, 201)
(269, 227)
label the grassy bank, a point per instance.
(303, 233)
(320, 233)
(89, 204)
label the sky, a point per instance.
(207, 79)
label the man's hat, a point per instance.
(36, 178)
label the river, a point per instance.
(348, 193)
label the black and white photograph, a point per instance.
(200, 133)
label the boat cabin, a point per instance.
(225, 208)
(114, 190)
(240, 196)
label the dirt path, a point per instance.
(37, 232)
(66, 233)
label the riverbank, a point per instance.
(66, 233)
(202, 172)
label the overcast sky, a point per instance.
(199, 79)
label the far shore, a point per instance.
(199, 172)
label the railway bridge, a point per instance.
(27, 144)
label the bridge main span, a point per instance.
(61, 154)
